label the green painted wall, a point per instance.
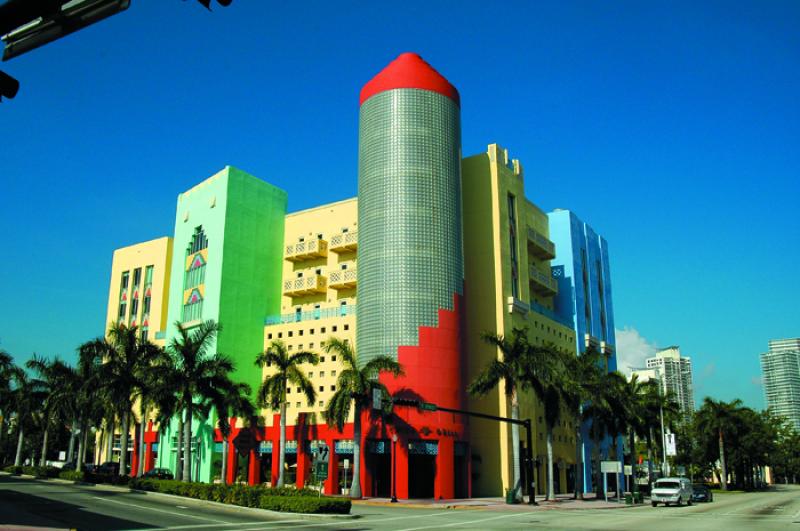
(243, 220)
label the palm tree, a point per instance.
(508, 369)
(718, 417)
(233, 402)
(580, 381)
(27, 396)
(354, 388)
(202, 377)
(54, 383)
(6, 366)
(272, 391)
(126, 366)
(633, 398)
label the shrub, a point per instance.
(71, 475)
(284, 499)
(16, 470)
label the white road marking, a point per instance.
(180, 507)
(198, 526)
(348, 522)
(469, 522)
(161, 510)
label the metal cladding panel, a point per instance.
(409, 217)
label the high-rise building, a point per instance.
(674, 372)
(581, 270)
(781, 370)
(390, 272)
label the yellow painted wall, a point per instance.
(487, 180)
(326, 221)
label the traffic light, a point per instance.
(8, 86)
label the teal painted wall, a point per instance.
(243, 220)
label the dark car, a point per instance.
(109, 467)
(701, 493)
(158, 473)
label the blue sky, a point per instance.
(673, 128)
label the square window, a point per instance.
(291, 333)
(347, 327)
(288, 390)
(298, 405)
(333, 373)
(311, 331)
(333, 358)
(280, 335)
(333, 328)
(322, 359)
(322, 331)
(300, 346)
(298, 389)
(311, 345)
(269, 336)
(301, 332)
(320, 403)
(321, 374)
(289, 347)
(333, 388)
(321, 388)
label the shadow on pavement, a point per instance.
(22, 509)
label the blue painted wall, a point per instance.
(586, 302)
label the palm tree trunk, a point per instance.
(123, 444)
(282, 452)
(634, 487)
(2, 424)
(187, 437)
(179, 450)
(578, 460)
(355, 487)
(81, 446)
(650, 458)
(18, 457)
(551, 495)
(71, 448)
(723, 478)
(516, 478)
(140, 468)
(110, 440)
(224, 478)
(43, 460)
(599, 475)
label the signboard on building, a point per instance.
(610, 467)
(671, 446)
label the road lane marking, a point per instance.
(349, 521)
(470, 522)
(198, 526)
(161, 510)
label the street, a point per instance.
(26, 502)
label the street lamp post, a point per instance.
(394, 468)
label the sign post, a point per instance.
(610, 467)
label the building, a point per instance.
(674, 372)
(391, 271)
(508, 285)
(581, 270)
(781, 370)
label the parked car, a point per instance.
(701, 493)
(109, 467)
(68, 466)
(158, 473)
(671, 490)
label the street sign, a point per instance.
(427, 406)
(671, 446)
(322, 454)
(321, 470)
(628, 470)
(347, 463)
(610, 467)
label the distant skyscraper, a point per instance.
(675, 374)
(781, 369)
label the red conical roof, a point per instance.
(409, 70)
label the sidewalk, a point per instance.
(563, 501)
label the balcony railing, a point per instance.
(343, 279)
(305, 285)
(311, 315)
(542, 283)
(540, 246)
(344, 241)
(297, 252)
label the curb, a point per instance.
(542, 506)
(101, 486)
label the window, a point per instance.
(321, 374)
(318, 271)
(144, 333)
(134, 309)
(148, 275)
(146, 303)
(333, 328)
(310, 374)
(290, 347)
(344, 267)
(298, 315)
(269, 336)
(321, 388)
(347, 327)
(311, 345)
(512, 243)
(333, 388)
(298, 405)
(288, 390)
(345, 229)
(299, 274)
(291, 333)
(137, 277)
(300, 346)
(320, 403)
(280, 335)
(124, 284)
(333, 358)
(311, 332)
(298, 389)
(301, 332)
(123, 308)
(199, 241)
(333, 373)
(319, 236)
(322, 331)
(322, 359)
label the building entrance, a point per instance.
(461, 471)
(422, 468)
(379, 465)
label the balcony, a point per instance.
(310, 315)
(297, 287)
(590, 341)
(539, 246)
(309, 250)
(606, 348)
(344, 242)
(343, 279)
(542, 283)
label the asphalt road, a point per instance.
(25, 502)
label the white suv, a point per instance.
(671, 490)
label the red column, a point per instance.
(303, 464)
(444, 483)
(231, 471)
(401, 468)
(254, 469)
(332, 483)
